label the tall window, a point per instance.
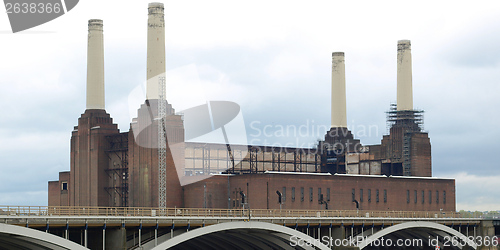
(310, 194)
(238, 199)
(385, 195)
(407, 196)
(444, 197)
(437, 197)
(301, 193)
(369, 195)
(353, 194)
(416, 198)
(423, 196)
(361, 195)
(64, 186)
(430, 197)
(376, 196)
(293, 194)
(283, 194)
(328, 194)
(319, 194)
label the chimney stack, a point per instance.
(95, 66)
(339, 117)
(156, 49)
(405, 93)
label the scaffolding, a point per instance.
(162, 145)
(409, 122)
(117, 170)
(214, 158)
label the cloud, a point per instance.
(475, 192)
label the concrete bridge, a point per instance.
(180, 228)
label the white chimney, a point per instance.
(156, 49)
(405, 95)
(339, 117)
(95, 66)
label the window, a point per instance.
(293, 193)
(430, 197)
(353, 194)
(361, 195)
(376, 196)
(444, 197)
(437, 197)
(319, 194)
(283, 195)
(238, 198)
(328, 194)
(302, 194)
(407, 196)
(64, 186)
(310, 194)
(416, 198)
(369, 195)
(385, 195)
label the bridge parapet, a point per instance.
(148, 224)
(206, 212)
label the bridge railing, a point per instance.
(353, 213)
(202, 212)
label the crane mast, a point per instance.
(162, 146)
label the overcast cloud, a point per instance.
(274, 59)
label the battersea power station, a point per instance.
(155, 164)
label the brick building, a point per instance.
(112, 168)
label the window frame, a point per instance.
(64, 186)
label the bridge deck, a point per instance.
(36, 216)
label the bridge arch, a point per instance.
(241, 235)
(414, 224)
(17, 237)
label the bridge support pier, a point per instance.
(140, 235)
(85, 235)
(338, 232)
(116, 238)
(104, 237)
(487, 230)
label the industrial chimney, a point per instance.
(339, 117)
(95, 66)
(405, 95)
(156, 49)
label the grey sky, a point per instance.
(274, 59)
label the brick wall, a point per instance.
(261, 192)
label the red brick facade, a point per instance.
(89, 160)
(58, 190)
(394, 193)
(143, 158)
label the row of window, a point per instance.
(415, 197)
(321, 197)
(361, 195)
(326, 197)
